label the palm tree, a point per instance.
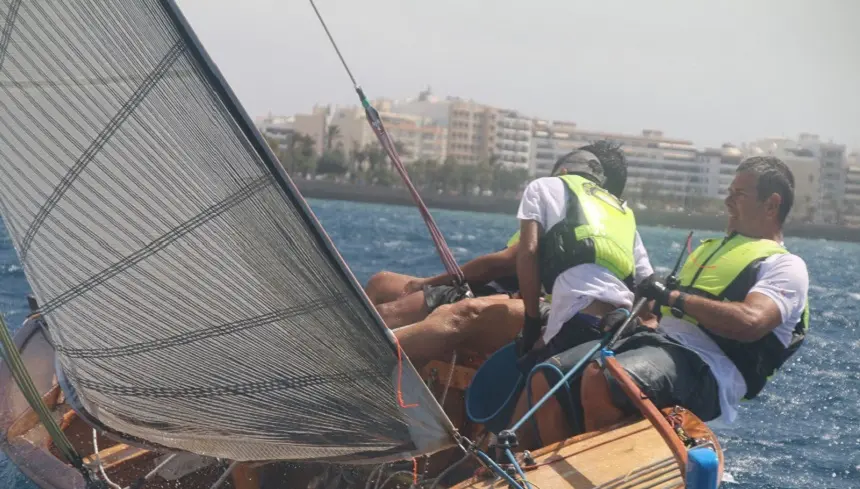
(305, 158)
(331, 134)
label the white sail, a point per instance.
(193, 299)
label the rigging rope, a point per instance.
(12, 359)
(387, 144)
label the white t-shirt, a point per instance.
(545, 201)
(785, 280)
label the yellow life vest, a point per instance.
(726, 270)
(598, 228)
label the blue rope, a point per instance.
(529, 392)
(498, 470)
(582, 362)
(517, 466)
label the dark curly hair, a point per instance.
(614, 164)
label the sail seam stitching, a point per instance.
(246, 388)
(98, 143)
(7, 30)
(201, 334)
(158, 244)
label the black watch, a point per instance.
(678, 308)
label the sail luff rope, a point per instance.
(387, 144)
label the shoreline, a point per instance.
(322, 189)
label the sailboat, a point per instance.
(192, 324)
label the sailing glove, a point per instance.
(529, 335)
(653, 289)
(612, 321)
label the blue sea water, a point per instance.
(802, 432)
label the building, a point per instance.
(806, 167)
(471, 131)
(421, 137)
(313, 125)
(730, 158)
(658, 167)
(513, 136)
(832, 178)
(353, 131)
(277, 128)
(852, 191)
(285, 128)
(550, 141)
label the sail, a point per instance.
(193, 300)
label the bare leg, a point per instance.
(597, 404)
(386, 286)
(412, 309)
(482, 325)
(406, 310)
(552, 423)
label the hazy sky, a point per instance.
(710, 71)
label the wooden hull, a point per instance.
(634, 449)
(631, 455)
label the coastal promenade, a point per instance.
(322, 189)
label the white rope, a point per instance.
(99, 463)
(450, 378)
(158, 467)
(224, 476)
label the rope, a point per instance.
(12, 358)
(140, 482)
(224, 476)
(99, 462)
(387, 144)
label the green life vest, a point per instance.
(598, 228)
(514, 239)
(726, 270)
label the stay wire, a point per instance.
(387, 144)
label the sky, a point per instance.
(707, 71)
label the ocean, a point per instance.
(803, 431)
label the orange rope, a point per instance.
(400, 376)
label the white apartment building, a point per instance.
(277, 128)
(421, 137)
(512, 146)
(657, 166)
(832, 177)
(819, 174)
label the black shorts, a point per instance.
(581, 328)
(667, 372)
(438, 295)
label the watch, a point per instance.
(678, 308)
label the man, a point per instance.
(402, 299)
(486, 324)
(739, 313)
(579, 242)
